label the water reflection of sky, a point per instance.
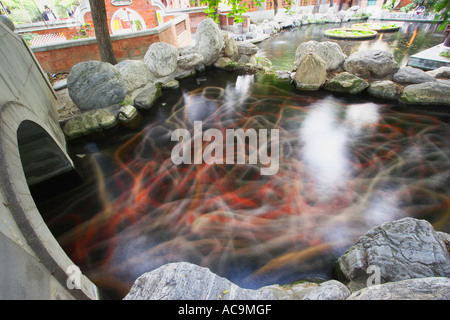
(326, 132)
(409, 40)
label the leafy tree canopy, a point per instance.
(25, 11)
(237, 8)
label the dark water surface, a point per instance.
(413, 37)
(345, 165)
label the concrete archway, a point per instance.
(17, 122)
(41, 157)
(33, 264)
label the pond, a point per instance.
(344, 165)
(413, 37)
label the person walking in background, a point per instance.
(48, 14)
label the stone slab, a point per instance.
(429, 59)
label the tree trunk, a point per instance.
(98, 11)
(275, 7)
(316, 6)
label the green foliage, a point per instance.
(442, 7)
(236, 11)
(34, 9)
(390, 4)
(429, 6)
(263, 61)
(408, 7)
(288, 7)
(376, 26)
(60, 11)
(445, 55)
(83, 32)
(426, 4)
(349, 33)
(22, 12)
(138, 25)
(388, 26)
(19, 16)
(127, 101)
(29, 36)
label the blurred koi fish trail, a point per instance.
(343, 168)
(235, 147)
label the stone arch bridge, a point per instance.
(32, 150)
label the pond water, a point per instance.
(412, 38)
(344, 166)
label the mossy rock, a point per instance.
(427, 93)
(346, 83)
(90, 122)
(225, 63)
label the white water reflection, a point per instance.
(326, 137)
(201, 107)
(237, 94)
(325, 151)
(360, 116)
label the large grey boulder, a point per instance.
(186, 281)
(145, 99)
(330, 52)
(404, 249)
(190, 61)
(95, 85)
(426, 93)
(328, 290)
(245, 58)
(135, 73)
(376, 64)
(246, 47)
(231, 49)
(346, 83)
(441, 73)
(209, 41)
(311, 73)
(162, 59)
(225, 63)
(411, 75)
(384, 89)
(433, 288)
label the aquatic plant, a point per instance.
(350, 33)
(379, 27)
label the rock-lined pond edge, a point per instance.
(363, 271)
(318, 66)
(405, 259)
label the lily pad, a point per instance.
(350, 33)
(379, 27)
